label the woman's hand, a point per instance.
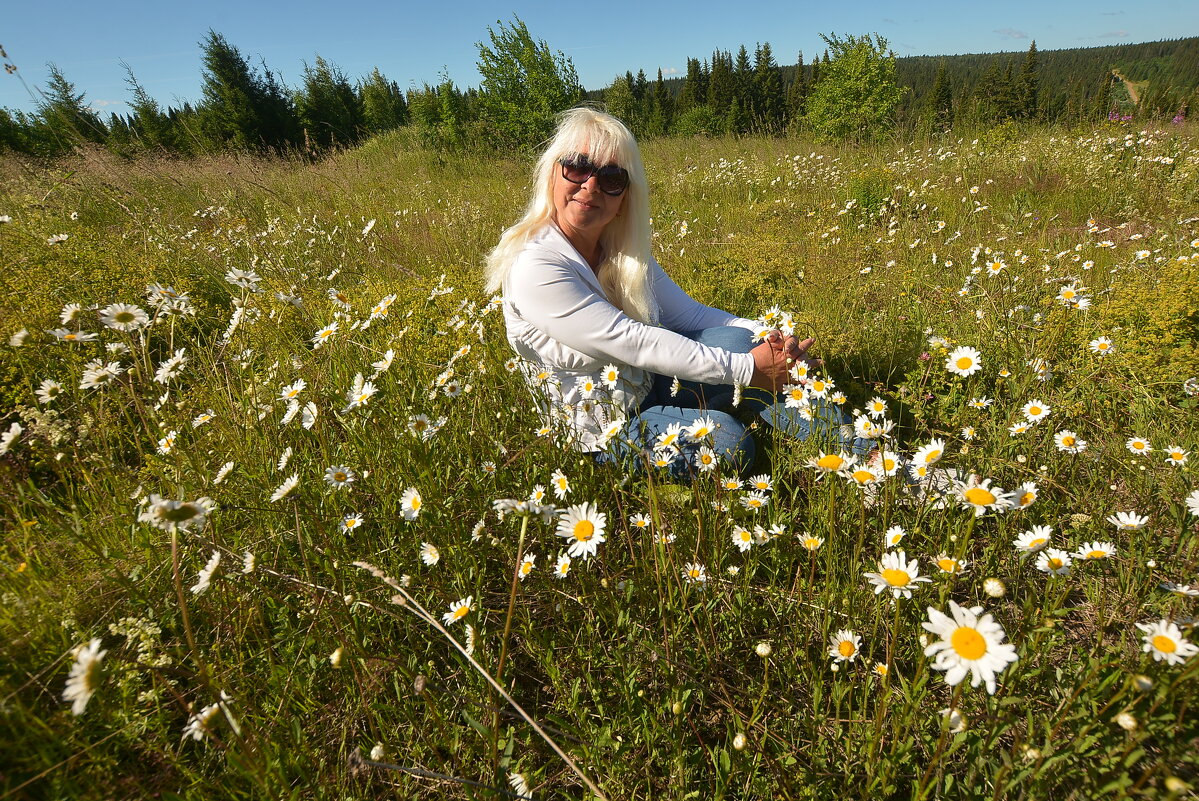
(774, 358)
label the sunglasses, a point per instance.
(612, 180)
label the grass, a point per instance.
(308, 675)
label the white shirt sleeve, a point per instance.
(549, 291)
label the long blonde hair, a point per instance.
(624, 273)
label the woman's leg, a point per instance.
(730, 442)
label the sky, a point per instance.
(413, 43)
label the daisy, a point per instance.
(877, 407)
(583, 525)
(97, 374)
(222, 473)
(964, 361)
(562, 566)
(308, 415)
(124, 317)
(731, 484)
(339, 477)
(639, 521)
(1192, 502)
(1068, 442)
(844, 646)
(1176, 456)
(706, 459)
(1054, 561)
(458, 610)
(1018, 428)
(1034, 539)
(795, 396)
(84, 677)
(560, 483)
(70, 313)
(930, 453)
(1128, 521)
(64, 335)
(862, 476)
(167, 443)
(1138, 446)
(1164, 641)
(743, 538)
(1102, 346)
(893, 536)
(1185, 590)
(897, 575)
(980, 403)
(285, 488)
(526, 565)
(410, 503)
(831, 462)
(610, 376)
(669, 439)
(203, 418)
(701, 429)
(820, 387)
(204, 579)
(290, 391)
(9, 437)
(755, 501)
(323, 335)
(981, 496)
(762, 483)
(695, 573)
(971, 642)
(868, 429)
(1095, 550)
(360, 392)
(245, 279)
(18, 338)
(429, 554)
(351, 522)
(1026, 493)
(949, 564)
(1035, 411)
(809, 542)
(383, 364)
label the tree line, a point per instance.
(856, 89)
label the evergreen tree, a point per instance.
(1027, 86)
(744, 89)
(242, 109)
(661, 113)
(64, 119)
(151, 127)
(940, 101)
(622, 103)
(797, 93)
(525, 85)
(768, 82)
(858, 93)
(328, 107)
(383, 104)
(721, 83)
(695, 87)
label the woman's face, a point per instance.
(582, 209)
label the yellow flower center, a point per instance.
(896, 578)
(1068, 441)
(1055, 563)
(1164, 644)
(932, 456)
(1097, 554)
(706, 458)
(863, 476)
(968, 643)
(415, 503)
(1034, 410)
(818, 386)
(461, 612)
(830, 462)
(745, 535)
(979, 496)
(584, 530)
(811, 543)
(525, 568)
(339, 476)
(1037, 543)
(1027, 498)
(846, 649)
(948, 565)
(964, 362)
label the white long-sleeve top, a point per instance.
(566, 330)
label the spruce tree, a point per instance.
(64, 119)
(768, 82)
(797, 93)
(328, 107)
(1027, 87)
(383, 104)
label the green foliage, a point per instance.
(858, 94)
(525, 86)
(242, 109)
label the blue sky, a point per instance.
(415, 42)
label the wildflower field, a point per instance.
(282, 521)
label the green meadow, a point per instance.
(281, 520)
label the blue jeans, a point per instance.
(732, 440)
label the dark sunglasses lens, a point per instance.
(613, 180)
(576, 172)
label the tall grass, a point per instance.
(296, 673)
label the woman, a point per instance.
(604, 333)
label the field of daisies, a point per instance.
(282, 520)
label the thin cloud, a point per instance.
(1011, 33)
(103, 103)
(1111, 13)
(670, 70)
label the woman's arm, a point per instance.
(551, 295)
